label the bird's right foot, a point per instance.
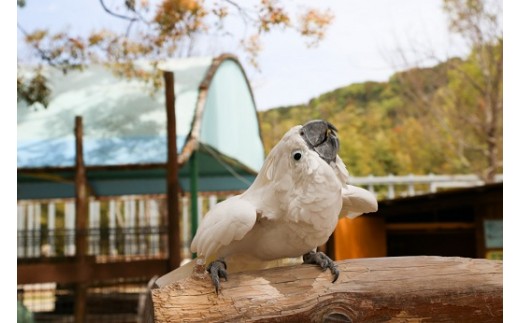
(322, 260)
(217, 270)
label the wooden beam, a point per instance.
(120, 167)
(400, 289)
(172, 176)
(81, 194)
(71, 272)
(430, 226)
(80, 296)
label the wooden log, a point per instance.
(394, 289)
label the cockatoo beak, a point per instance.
(321, 137)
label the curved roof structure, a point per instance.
(124, 124)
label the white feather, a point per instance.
(227, 221)
(357, 201)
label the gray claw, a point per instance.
(321, 259)
(217, 270)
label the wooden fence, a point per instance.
(128, 226)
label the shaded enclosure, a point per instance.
(463, 222)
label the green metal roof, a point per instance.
(217, 173)
(125, 131)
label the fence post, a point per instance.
(22, 232)
(200, 206)
(185, 228)
(172, 182)
(130, 244)
(30, 230)
(391, 190)
(80, 301)
(93, 228)
(411, 185)
(141, 227)
(51, 226)
(154, 224)
(69, 234)
(371, 183)
(112, 228)
(212, 201)
(37, 229)
(433, 188)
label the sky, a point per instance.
(362, 43)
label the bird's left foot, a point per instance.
(321, 259)
(217, 270)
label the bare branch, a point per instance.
(107, 10)
(243, 13)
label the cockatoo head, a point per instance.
(302, 149)
(320, 136)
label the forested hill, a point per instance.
(413, 123)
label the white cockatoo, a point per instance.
(291, 208)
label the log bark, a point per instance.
(392, 289)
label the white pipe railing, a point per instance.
(408, 183)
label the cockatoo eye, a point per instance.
(297, 155)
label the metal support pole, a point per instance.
(194, 174)
(172, 182)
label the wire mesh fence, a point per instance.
(108, 301)
(116, 227)
(103, 243)
(126, 228)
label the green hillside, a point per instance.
(423, 120)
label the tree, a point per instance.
(476, 86)
(460, 101)
(161, 29)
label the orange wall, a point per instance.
(362, 237)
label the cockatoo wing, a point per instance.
(227, 221)
(356, 201)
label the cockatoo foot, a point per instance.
(321, 259)
(217, 270)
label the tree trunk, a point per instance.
(396, 289)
